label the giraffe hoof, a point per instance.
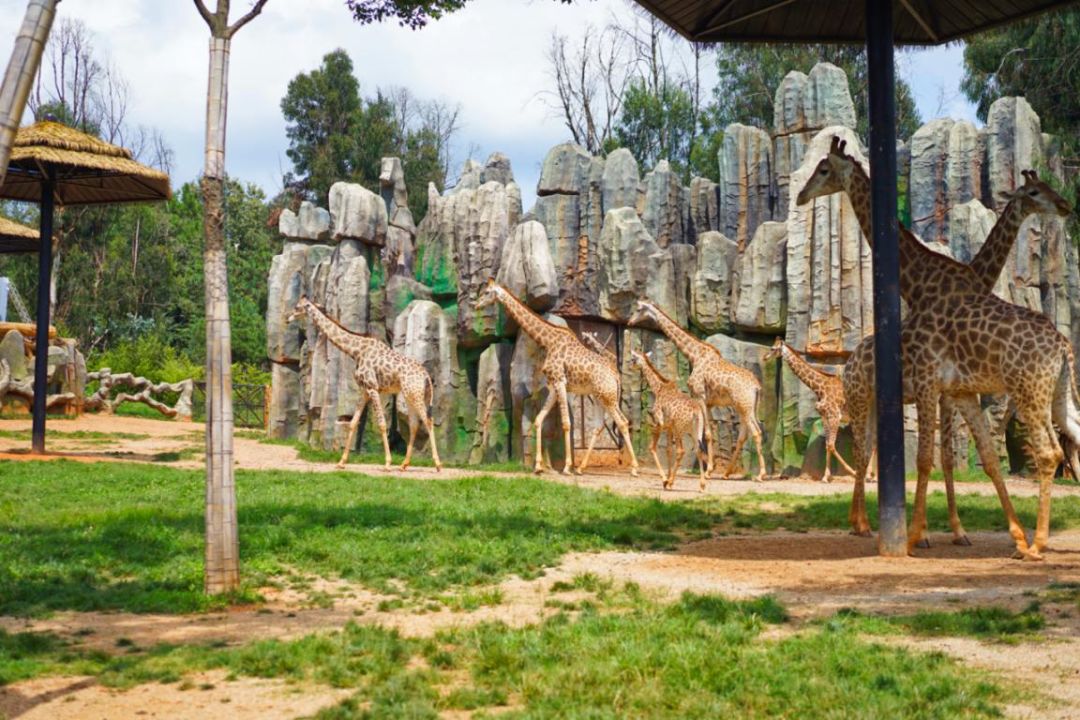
(923, 544)
(340, 466)
(538, 471)
(438, 467)
(962, 540)
(634, 473)
(404, 467)
(579, 471)
(388, 466)
(1028, 555)
(566, 472)
(861, 533)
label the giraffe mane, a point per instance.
(656, 307)
(337, 322)
(537, 315)
(649, 362)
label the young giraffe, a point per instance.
(569, 366)
(379, 369)
(961, 341)
(713, 382)
(1032, 197)
(677, 414)
(830, 394)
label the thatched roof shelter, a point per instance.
(88, 170)
(54, 164)
(16, 237)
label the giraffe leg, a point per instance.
(948, 426)
(564, 416)
(678, 451)
(861, 435)
(1047, 453)
(588, 451)
(653, 442)
(976, 422)
(538, 424)
(830, 450)
(380, 419)
(624, 430)
(710, 448)
(429, 423)
(755, 432)
(739, 442)
(830, 437)
(414, 422)
(353, 425)
(927, 405)
(704, 455)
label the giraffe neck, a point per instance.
(652, 376)
(989, 261)
(339, 336)
(536, 327)
(689, 345)
(810, 376)
(922, 271)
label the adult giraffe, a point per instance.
(569, 366)
(379, 369)
(959, 340)
(714, 382)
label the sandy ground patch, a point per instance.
(208, 695)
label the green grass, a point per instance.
(419, 459)
(701, 657)
(985, 623)
(130, 537)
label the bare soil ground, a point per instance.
(814, 574)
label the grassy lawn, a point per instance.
(129, 537)
(623, 656)
(118, 536)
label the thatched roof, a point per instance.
(87, 170)
(917, 22)
(16, 237)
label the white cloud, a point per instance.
(490, 58)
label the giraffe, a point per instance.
(960, 341)
(569, 366)
(1031, 197)
(713, 382)
(379, 369)
(677, 414)
(830, 394)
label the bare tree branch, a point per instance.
(206, 15)
(251, 15)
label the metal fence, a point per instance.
(249, 404)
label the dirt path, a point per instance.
(162, 436)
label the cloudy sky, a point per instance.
(490, 58)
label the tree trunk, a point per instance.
(25, 59)
(222, 539)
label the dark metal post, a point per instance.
(41, 342)
(892, 515)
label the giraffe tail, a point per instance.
(1067, 410)
(702, 445)
(429, 396)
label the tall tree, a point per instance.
(409, 13)
(222, 571)
(335, 134)
(1039, 59)
(750, 74)
(23, 65)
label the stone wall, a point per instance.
(736, 260)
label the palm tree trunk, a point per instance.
(222, 572)
(25, 59)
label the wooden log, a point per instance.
(28, 330)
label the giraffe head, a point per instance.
(832, 174)
(637, 359)
(775, 351)
(645, 314)
(1035, 196)
(490, 294)
(300, 311)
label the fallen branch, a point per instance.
(144, 391)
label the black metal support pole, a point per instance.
(41, 343)
(892, 516)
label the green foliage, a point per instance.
(750, 74)
(335, 134)
(1037, 60)
(414, 14)
(151, 357)
(658, 125)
